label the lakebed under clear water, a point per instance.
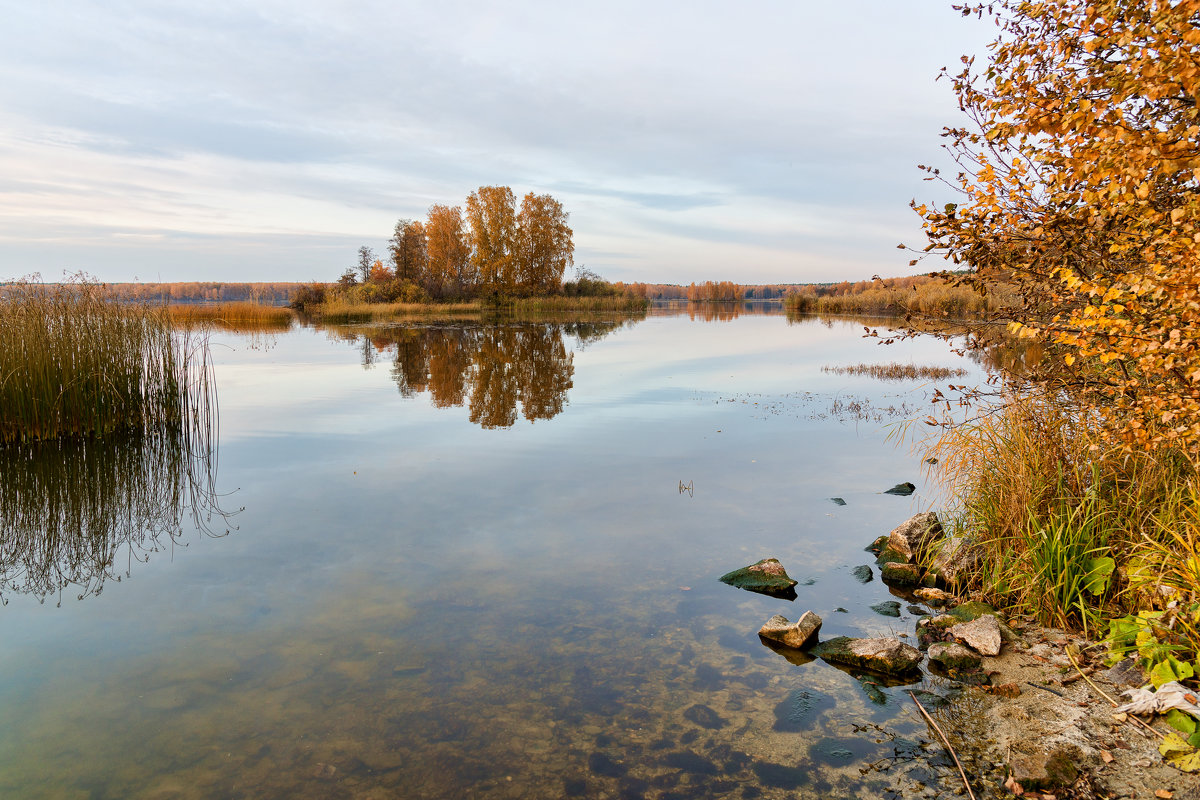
(470, 560)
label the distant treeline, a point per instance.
(272, 294)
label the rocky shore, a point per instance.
(1031, 713)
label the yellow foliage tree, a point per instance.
(544, 245)
(1080, 176)
(491, 217)
(447, 252)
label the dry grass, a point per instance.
(898, 372)
(933, 298)
(1047, 497)
(75, 362)
(337, 310)
(236, 317)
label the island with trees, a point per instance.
(487, 253)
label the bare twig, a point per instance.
(1102, 693)
(946, 742)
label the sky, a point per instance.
(248, 140)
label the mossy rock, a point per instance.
(887, 656)
(765, 577)
(930, 580)
(888, 608)
(889, 556)
(900, 574)
(879, 545)
(953, 656)
(971, 610)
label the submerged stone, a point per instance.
(886, 655)
(780, 776)
(799, 710)
(838, 501)
(688, 761)
(601, 764)
(863, 573)
(888, 608)
(912, 537)
(765, 577)
(705, 717)
(902, 489)
(900, 574)
(796, 635)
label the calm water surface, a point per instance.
(463, 567)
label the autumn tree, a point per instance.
(409, 250)
(492, 234)
(1079, 177)
(544, 245)
(448, 253)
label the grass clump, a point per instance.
(74, 362)
(1076, 531)
(898, 372)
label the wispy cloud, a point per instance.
(773, 141)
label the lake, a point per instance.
(465, 560)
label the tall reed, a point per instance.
(76, 362)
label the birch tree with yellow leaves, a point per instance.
(1079, 176)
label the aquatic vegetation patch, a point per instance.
(898, 372)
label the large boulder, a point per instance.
(885, 655)
(982, 634)
(796, 635)
(955, 558)
(912, 537)
(765, 577)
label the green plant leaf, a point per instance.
(1182, 669)
(1184, 723)
(1099, 571)
(1194, 739)
(1162, 673)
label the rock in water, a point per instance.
(915, 534)
(900, 574)
(838, 501)
(935, 597)
(863, 574)
(982, 634)
(765, 577)
(778, 629)
(889, 656)
(953, 656)
(902, 489)
(888, 608)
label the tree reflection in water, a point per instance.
(75, 513)
(499, 372)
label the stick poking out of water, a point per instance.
(946, 742)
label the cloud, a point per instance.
(773, 130)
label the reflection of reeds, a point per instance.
(898, 372)
(234, 317)
(74, 362)
(72, 510)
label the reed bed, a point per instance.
(932, 299)
(339, 311)
(74, 362)
(898, 372)
(238, 317)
